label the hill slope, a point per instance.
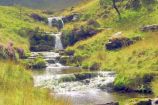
(12, 23)
(132, 64)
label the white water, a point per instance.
(57, 19)
(79, 92)
(85, 92)
(58, 43)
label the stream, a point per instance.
(66, 82)
(80, 92)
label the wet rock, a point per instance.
(65, 60)
(83, 76)
(145, 102)
(108, 87)
(150, 28)
(86, 82)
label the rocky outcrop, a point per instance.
(41, 42)
(118, 41)
(72, 36)
(70, 18)
(38, 18)
(150, 28)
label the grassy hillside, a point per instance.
(13, 23)
(16, 83)
(132, 64)
(16, 87)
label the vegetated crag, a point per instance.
(118, 41)
(77, 34)
(41, 41)
(70, 18)
(39, 18)
(150, 28)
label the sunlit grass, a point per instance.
(12, 21)
(16, 85)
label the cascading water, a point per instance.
(80, 92)
(58, 43)
(58, 20)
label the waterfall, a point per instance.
(58, 21)
(58, 43)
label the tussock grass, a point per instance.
(16, 87)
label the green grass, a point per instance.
(16, 85)
(132, 63)
(12, 22)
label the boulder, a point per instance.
(150, 28)
(118, 41)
